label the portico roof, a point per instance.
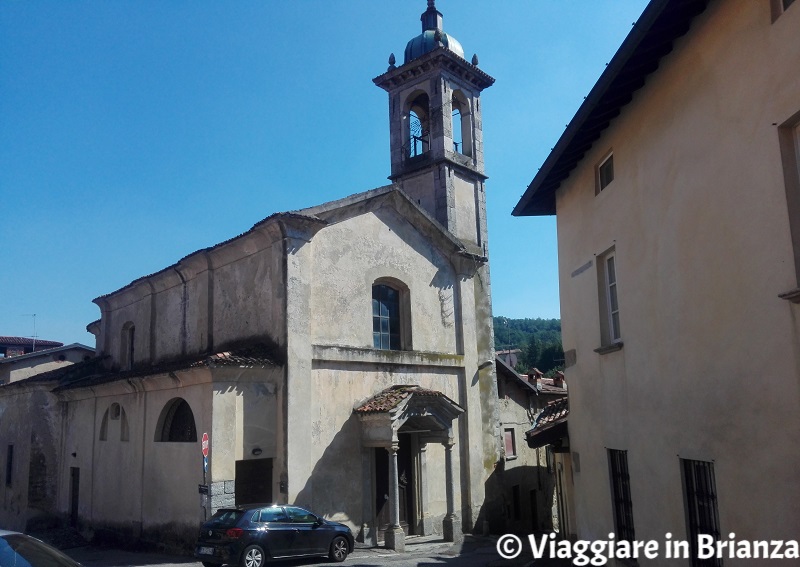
(406, 409)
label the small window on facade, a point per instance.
(115, 411)
(9, 464)
(621, 494)
(176, 423)
(385, 317)
(700, 496)
(613, 304)
(610, 332)
(510, 443)
(605, 173)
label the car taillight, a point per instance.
(234, 533)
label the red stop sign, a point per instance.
(204, 444)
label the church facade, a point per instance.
(338, 357)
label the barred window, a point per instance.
(702, 517)
(621, 494)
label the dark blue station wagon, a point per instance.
(250, 535)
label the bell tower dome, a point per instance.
(436, 140)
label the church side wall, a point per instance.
(212, 299)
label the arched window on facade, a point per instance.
(462, 125)
(176, 423)
(391, 324)
(419, 140)
(127, 342)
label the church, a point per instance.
(338, 357)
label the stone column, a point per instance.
(425, 520)
(395, 537)
(451, 525)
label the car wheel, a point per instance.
(252, 556)
(339, 549)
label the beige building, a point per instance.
(527, 474)
(19, 367)
(677, 195)
(338, 357)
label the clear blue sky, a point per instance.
(133, 133)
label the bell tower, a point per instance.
(435, 129)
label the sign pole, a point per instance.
(203, 489)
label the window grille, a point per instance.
(700, 492)
(621, 495)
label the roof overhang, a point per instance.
(652, 37)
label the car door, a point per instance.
(310, 533)
(276, 533)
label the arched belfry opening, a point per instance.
(461, 124)
(419, 129)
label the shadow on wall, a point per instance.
(490, 517)
(337, 474)
(528, 501)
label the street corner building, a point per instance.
(339, 357)
(676, 191)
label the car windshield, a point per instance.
(225, 518)
(18, 550)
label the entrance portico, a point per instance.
(427, 417)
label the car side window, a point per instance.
(272, 515)
(300, 516)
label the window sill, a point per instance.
(613, 347)
(793, 296)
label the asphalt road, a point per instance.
(430, 552)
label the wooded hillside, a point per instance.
(538, 339)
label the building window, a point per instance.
(511, 444)
(385, 317)
(608, 299)
(176, 423)
(621, 494)
(700, 495)
(604, 173)
(9, 464)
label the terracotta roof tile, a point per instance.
(93, 372)
(391, 397)
(553, 412)
(29, 341)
